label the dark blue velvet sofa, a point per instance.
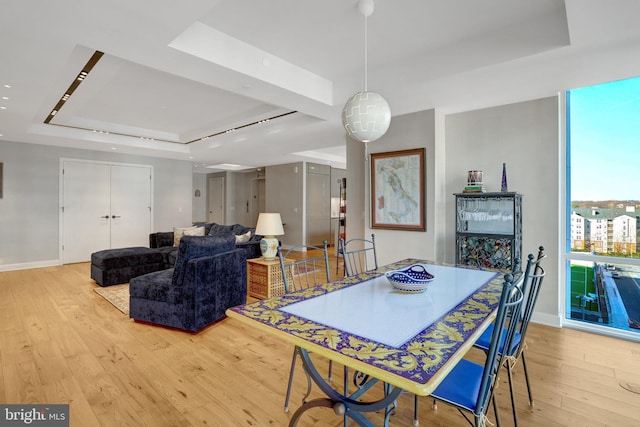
(163, 240)
(209, 276)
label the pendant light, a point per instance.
(366, 115)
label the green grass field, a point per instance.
(581, 275)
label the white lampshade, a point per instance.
(269, 225)
(366, 116)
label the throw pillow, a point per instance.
(178, 232)
(242, 238)
(197, 231)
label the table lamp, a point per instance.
(269, 225)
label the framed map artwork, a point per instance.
(397, 190)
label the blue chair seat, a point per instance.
(470, 386)
(485, 339)
(534, 274)
(450, 390)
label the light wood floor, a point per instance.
(62, 343)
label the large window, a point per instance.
(603, 203)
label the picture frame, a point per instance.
(398, 190)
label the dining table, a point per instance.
(408, 341)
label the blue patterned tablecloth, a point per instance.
(417, 365)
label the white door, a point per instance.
(104, 206)
(257, 203)
(130, 206)
(85, 210)
(216, 200)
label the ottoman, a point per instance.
(115, 266)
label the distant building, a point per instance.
(578, 231)
(604, 230)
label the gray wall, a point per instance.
(525, 136)
(199, 204)
(285, 194)
(29, 221)
(416, 130)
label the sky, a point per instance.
(604, 140)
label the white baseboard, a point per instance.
(547, 319)
(28, 265)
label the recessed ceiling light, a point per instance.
(74, 85)
(5, 97)
(7, 86)
(113, 148)
(241, 127)
(3, 108)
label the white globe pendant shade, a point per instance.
(366, 116)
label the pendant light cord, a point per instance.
(365, 54)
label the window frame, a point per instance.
(564, 241)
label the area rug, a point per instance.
(118, 295)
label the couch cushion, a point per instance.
(125, 257)
(168, 255)
(220, 229)
(196, 247)
(207, 226)
(242, 229)
(243, 238)
(161, 239)
(196, 231)
(178, 232)
(156, 286)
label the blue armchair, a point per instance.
(209, 276)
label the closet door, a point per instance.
(130, 206)
(318, 204)
(85, 210)
(104, 206)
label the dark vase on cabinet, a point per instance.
(488, 229)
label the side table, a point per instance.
(264, 278)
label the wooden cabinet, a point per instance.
(488, 229)
(264, 278)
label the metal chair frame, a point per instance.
(298, 275)
(361, 259)
(509, 308)
(534, 274)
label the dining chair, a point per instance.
(309, 268)
(515, 270)
(359, 255)
(470, 386)
(534, 274)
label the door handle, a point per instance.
(105, 217)
(115, 216)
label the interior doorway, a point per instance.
(257, 199)
(216, 200)
(103, 206)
